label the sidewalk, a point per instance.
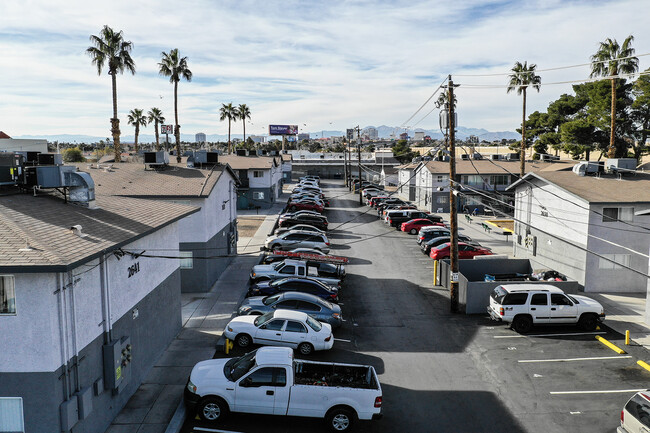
(157, 406)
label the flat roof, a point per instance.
(248, 162)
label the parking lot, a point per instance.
(443, 372)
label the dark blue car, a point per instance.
(304, 285)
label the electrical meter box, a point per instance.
(117, 368)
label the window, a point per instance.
(291, 270)
(307, 306)
(639, 408)
(295, 327)
(500, 180)
(258, 196)
(7, 295)
(441, 199)
(539, 299)
(187, 260)
(613, 214)
(441, 178)
(301, 272)
(258, 173)
(261, 377)
(274, 325)
(515, 299)
(11, 414)
(279, 376)
(290, 304)
(558, 299)
(606, 261)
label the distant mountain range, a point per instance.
(383, 132)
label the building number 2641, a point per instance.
(134, 269)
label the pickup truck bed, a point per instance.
(334, 375)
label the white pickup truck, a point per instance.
(269, 381)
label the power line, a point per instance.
(425, 103)
(590, 79)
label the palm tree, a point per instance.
(175, 67)
(610, 60)
(155, 115)
(110, 49)
(137, 118)
(523, 76)
(228, 112)
(243, 113)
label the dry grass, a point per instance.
(247, 225)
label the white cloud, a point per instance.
(344, 62)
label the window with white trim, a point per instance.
(11, 415)
(187, 259)
(607, 261)
(258, 196)
(613, 214)
(7, 294)
(258, 173)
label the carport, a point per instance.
(474, 291)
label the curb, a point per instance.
(177, 420)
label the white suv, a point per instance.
(635, 416)
(525, 305)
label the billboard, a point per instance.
(166, 129)
(283, 129)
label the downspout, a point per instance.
(62, 335)
(73, 320)
(106, 302)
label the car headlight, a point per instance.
(191, 387)
(253, 274)
(229, 329)
(336, 315)
(244, 309)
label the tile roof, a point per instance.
(43, 223)
(3, 135)
(604, 189)
(248, 162)
(132, 180)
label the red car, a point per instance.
(374, 199)
(465, 251)
(305, 205)
(414, 226)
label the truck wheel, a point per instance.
(340, 420)
(212, 409)
(588, 322)
(243, 340)
(305, 348)
(522, 324)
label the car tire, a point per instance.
(588, 322)
(292, 208)
(522, 324)
(340, 420)
(243, 340)
(275, 247)
(212, 409)
(414, 231)
(305, 349)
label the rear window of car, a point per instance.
(639, 408)
(498, 294)
(515, 299)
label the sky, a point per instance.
(323, 65)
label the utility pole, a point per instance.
(453, 217)
(359, 162)
(345, 161)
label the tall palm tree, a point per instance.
(523, 76)
(136, 118)
(175, 67)
(111, 50)
(610, 60)
(155, 115)
(243, 113)
(228, 111)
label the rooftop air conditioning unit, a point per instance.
(11, 168)
(512, 157)
(586, 167)
(464, 157)
(50, 159)
(242, 152)
(495, 157)
(156, 158)
(477, 155)
(205, 157)
(548, 158)
(620, 165)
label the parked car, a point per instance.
(372, 200)
(308, 251)
(395, 207)
(635, 416)
(398, 218)
(324, 272)
(413, 226)
(298, 239)
(526, 305)
(305, 189)
(300, 227)
(286, 328)
(341, 394)
(387, 202)
(305, 204)
(304, 285)
(465, 251)
(432, 243)
(429, 232)
(318, 221)
(316, 307)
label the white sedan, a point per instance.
(281, 328)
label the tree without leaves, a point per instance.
(137, 118)
(155, 115)
(523, 75)
(175, 67)
(610, 61)
(111, 50)
(228, 111)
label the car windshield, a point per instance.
(442, 246)
(325, 303)
(314, 324)
(278, 266)
(237, 367)
(498, 294)
(575, 301)
(270, 299)
(263, 318)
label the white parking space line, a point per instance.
(348, 341)
(550, 335)
(576, 359)
(609, 391)
(213, 430)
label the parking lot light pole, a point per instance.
(359, 162)
(453, 217)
